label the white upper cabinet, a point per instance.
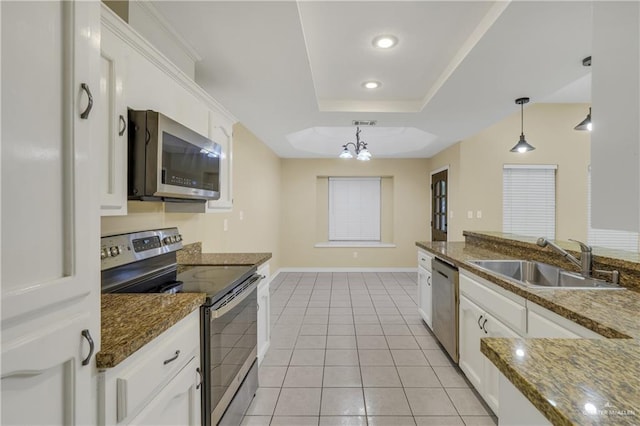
(50, 270)
(221, 131)
(615, 139)
(111, 126)
(137, 76)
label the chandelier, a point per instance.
(360, 147)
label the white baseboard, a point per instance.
(343, 269)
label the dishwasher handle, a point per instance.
(443, 274)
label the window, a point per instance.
(609, 238)
(354, 209)
(529, 200)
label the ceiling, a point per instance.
(293, 72)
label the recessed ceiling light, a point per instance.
(371, 84)
(385, 41)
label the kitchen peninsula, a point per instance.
(570, 381)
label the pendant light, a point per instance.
(360, 147)
(522, 145)
(586, 123)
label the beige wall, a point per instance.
(303, 212)
(256, 195)
(477, 162)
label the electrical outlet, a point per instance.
(225, 225)
(450, 214)
(469, 214)
(479, 214)
(355, 254)
(241, 215)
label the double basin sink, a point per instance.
(541, 275)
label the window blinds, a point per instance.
(354, 209)
(609, 238)
(529, 200)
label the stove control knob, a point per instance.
(167, 240)
(115, 250)
(179, 237)
(104, 254)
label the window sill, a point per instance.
(374, 244)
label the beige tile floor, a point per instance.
(351, 349)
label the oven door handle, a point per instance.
(217, 313)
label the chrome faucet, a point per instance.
(586, 259)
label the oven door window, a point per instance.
(188, 165)
(233, 340)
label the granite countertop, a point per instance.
(191, 254)
(560, 376)
(611, 313)
(130, 321)
(573, 381)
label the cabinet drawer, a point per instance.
(510, 312)
(162, 359)
(424, 260)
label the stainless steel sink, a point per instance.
(541, 275)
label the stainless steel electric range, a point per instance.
(145, 262)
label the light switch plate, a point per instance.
(470, 214)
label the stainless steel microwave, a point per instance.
(168, 161)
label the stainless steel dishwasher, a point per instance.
(445, 305)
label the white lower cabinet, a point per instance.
(264, 312)
(471, 359)
(424, 287)
(178, 403)
(159, 384)
(486, 311)
(515, 409)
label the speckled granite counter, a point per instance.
(573, 381)
(130, 321)
(191, 254)
(574, 372)
(611, 313)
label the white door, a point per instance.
(50, 222)
(471, 359)
(493, 328)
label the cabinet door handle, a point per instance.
(85, 333)
(429, 280)
(480, 319)
(173, 358)
(85, 113)
(483, 326)
(199, 374)
(124, 125)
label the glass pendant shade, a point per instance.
(585, 124)
(364, 155)
(346, 153)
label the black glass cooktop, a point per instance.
(215, 281)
